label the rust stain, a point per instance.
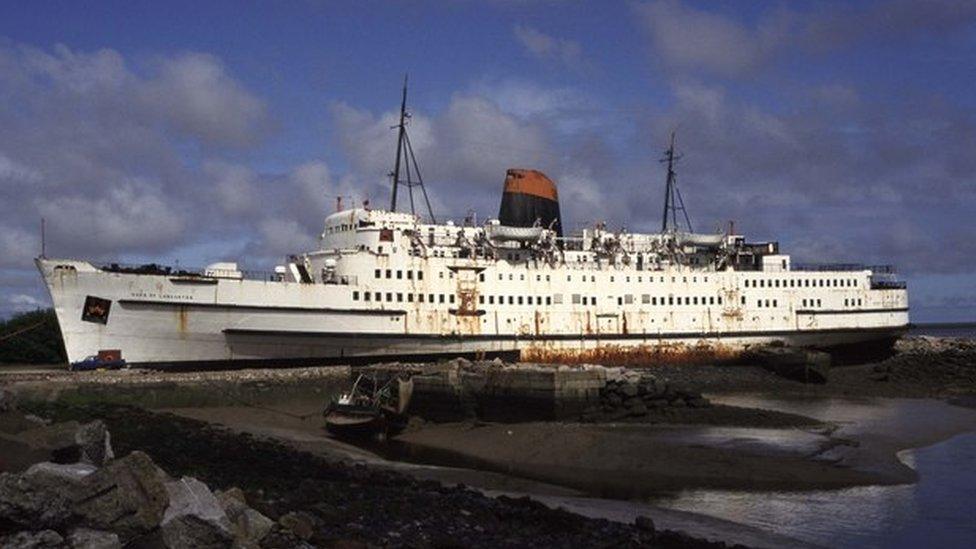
(182, 320)
(635, 356)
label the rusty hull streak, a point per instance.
(639, 356)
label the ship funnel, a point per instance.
(529, 196)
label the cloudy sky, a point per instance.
(198, 131)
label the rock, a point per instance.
(248, 524)
(194, 517)
(638, 410)
(678, 403)
(699, 402)
(628, 390)
(8, 400)
(613, 399)
(657, 403)
(632, 402)
(299, 523)
(42, 496)
(126, 496)
(85, 538)
(644, 523)
(70, 442)
(32, 540)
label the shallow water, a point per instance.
(937, 511)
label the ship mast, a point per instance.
(672, 196)
(406, 158)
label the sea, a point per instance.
(964, 329)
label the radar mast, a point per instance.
(406, 158)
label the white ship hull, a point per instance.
(168, 321)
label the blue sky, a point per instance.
(193, 132)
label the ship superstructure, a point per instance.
(386, 284)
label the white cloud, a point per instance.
(548, 48)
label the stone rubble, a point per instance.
(98, 502)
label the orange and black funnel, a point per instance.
(529, 195)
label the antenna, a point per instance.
(672, 196)
(43, 240)
(406, 156)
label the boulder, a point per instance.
(249, 525)
(70, 441)
(644, 523)
(699, 402)
(299, 523)
(85, 538)
(8, 400)
(43, 495)
(638, 410)
(126, 496)
(32, 540)
(194, 517)
(628, 390)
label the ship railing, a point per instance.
(843, 267)
(182, 271)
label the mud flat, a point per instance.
(327, 503)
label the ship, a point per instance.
(385, 284)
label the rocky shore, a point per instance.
(184, 483)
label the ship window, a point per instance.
(845, 303)
(645, 299)
(547, 278)
(481, 299)
(410, 298)
(389, 296)
(491, 300)
(569, 278)
(758, 303)
(529, 300)
(510, 276)
(538, 278)
(366, 296)
(654, 300)
(430, 298)
(576, 299)
(399, 297)
(774, 303)
(640, 279)
(420, 298)
(378, 296)
(389, 273)
(355, 296)
(440, 274)
(670, 300)
(521, 277)
(511, 300)
(585, 300)
(409, 275)
(818, 303)
(743, 300)
(451, 298)
(549, 300)
(629, 299)
(376, 273)
(694, 300)
(519, 300)
(628, 279)
(399, 275)
(481, 277)
(855, 283)
(420, 275)
(440, 298)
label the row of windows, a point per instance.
(399, 297)
(765, 303)
(852, 302)
(811, 303)
(378, 273)
(802, 283)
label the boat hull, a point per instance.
(169, 322)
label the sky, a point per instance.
(192, 132)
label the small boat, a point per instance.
(369, 410)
